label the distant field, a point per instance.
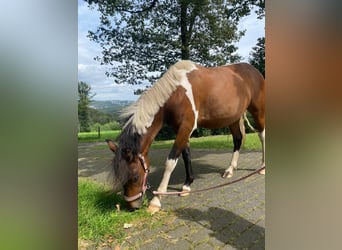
(216, 141)
(93, 136)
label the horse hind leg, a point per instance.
(262, 140)
(238, 132)
(258, 115)
(188, 170)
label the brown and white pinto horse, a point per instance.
(187, 96)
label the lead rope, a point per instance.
(209, 188)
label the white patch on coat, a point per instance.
(186, 84)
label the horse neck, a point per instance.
(151, 133)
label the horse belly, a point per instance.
(219, 117)
(213, 122)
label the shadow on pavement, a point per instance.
(227, 227)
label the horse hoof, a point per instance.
(262, 172)
(185, 188)
(227, 175)
(153, 209)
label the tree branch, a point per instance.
(153, 4)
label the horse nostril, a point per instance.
(132, 209)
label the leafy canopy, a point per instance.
(84, 99)
(142, 38)
(257, 54)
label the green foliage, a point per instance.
(96, 116)
(166, 133)
(140, 37)
(257, 58)
(84, 99)
(199, 132)
(110, 126)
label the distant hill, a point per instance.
(110, 107)
(96, 116)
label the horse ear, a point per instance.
(127, 154)
(112, 146)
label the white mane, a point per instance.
(140, 114)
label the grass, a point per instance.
(213, 142)
(93, 136)
(99, 219)
(97, 212)
(208, 142)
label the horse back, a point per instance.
(222, 94)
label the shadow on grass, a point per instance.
(106, 201)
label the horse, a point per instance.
(186, 97)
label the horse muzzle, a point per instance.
(134, 205)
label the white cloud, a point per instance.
(255, 28)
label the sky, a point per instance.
(91, 72)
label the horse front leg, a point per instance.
(238, 133)
(171, 162)
(188, 170)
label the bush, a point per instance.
(199, 132)
(106, 127)
(166, 133)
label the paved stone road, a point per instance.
(232, 217)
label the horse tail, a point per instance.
(242, 129)
(247, 121)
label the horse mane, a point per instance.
(137, 117)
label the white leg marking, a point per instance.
(233, 165)
(185, 188)
(169, 167)
(262, 139)
(235, 159)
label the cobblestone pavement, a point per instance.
(232, 217)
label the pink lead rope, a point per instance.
(209, 188)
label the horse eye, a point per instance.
(135, 178)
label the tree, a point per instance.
(84, 99)
(139, 37)
(257, 58)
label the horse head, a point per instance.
(130, 171)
